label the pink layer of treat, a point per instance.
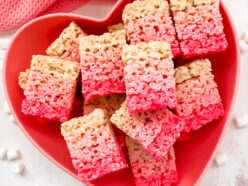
(102, 73)
(95, 153)
(207, 114)
(156, 27)
(159, 131)
(200, 30)
(48, 96)
(148, 172)
(150, 85)
(199, 101)
(46, 110)
(72, 54)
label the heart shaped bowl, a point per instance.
(193, 156)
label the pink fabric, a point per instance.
(17, 12)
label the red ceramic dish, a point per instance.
(193, 156)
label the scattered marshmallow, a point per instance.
(221, 158)
(13, 154)
(243, 46)
(12, 119)
(245, 37)
(4, 43)
(2, 53)
(3, 152)
(18, 168)
(6, 108)
(241, 121)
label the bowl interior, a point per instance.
(193, 155)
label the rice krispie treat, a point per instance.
(146, 170)
(109, 104)
(66, 45)
(156, 130)
(101, 64)
(50, 89)
(92, 145)
(150, 20)
(199, 27)
(198, 97)
(149, 76)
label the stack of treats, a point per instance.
(136, 103)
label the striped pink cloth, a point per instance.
(17, 12)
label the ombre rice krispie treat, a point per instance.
(101, 64)
(66, 46)
(199, 27)
(150, 20)
(50, 88)
(198, 97)
(109, 104)
(156, 130)
(149, 76)
(92, 145)
(146, 170)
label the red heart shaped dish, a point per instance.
(141, 97)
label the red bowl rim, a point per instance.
(108, 16)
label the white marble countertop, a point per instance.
(40, 171)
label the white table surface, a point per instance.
(40, 171)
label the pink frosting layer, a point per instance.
(102, 73)
(200, 30)
(48, 96)
(150, 84)
(95, 153)
(155, 27)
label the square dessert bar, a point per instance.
(109, 104)
(149, 76)
(66, 45)
(199, 27)
(198, 97)
(101, 64)
(150, 20)
(146, 170)
(156, 130)
(50, 89)
(92, 145)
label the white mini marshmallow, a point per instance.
(221, 158)
(243, 46)
(13, 154)
(4, 43)
(245, 37)
(241, 121)
(3, 152)
(6, 108)
(18, 168)
(12, 119)
(2, 53)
